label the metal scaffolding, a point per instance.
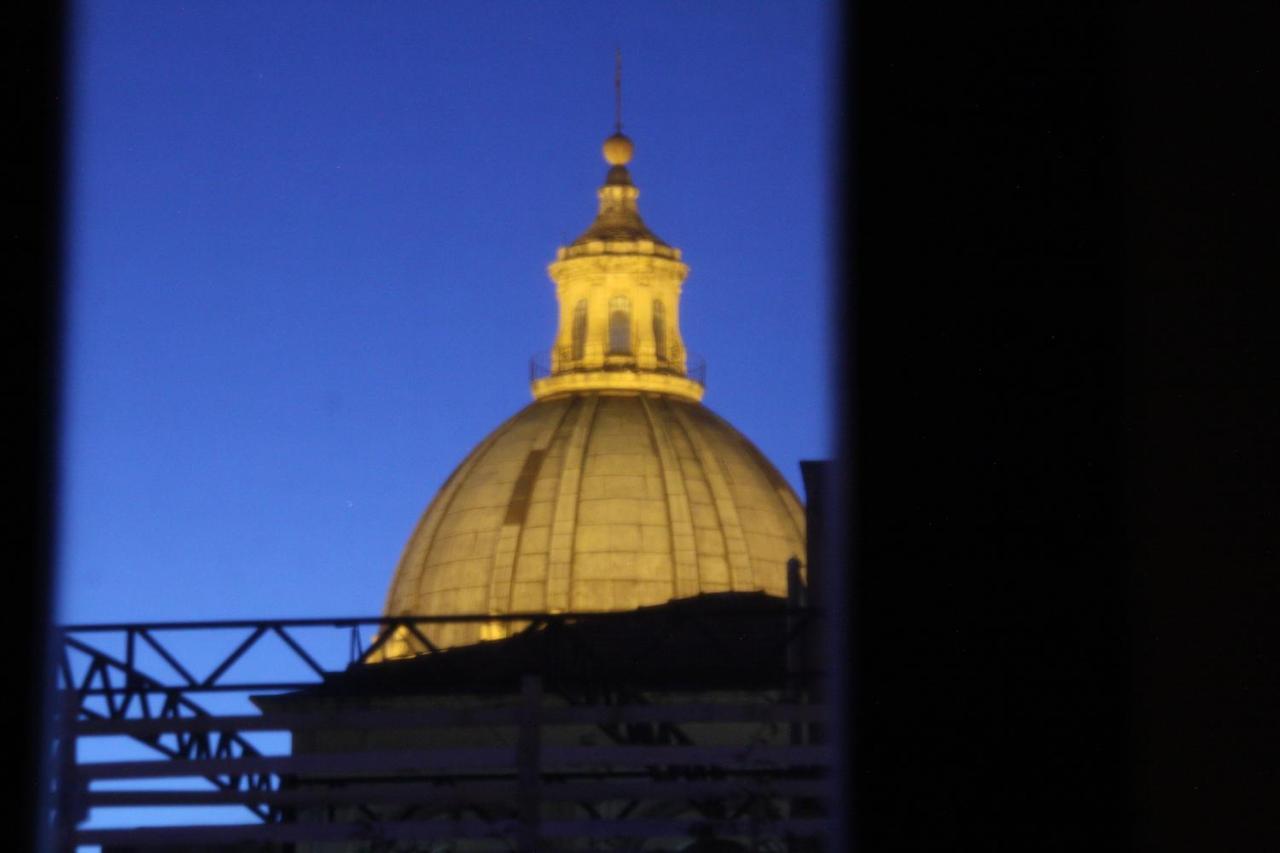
(653, 781)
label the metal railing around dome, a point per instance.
(141, 681)
(696, 368)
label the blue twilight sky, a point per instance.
(307, 266)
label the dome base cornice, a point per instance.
(580, 381)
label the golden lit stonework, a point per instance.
(615, 489)
(618, 287)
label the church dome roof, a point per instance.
(615, 489)
(596, 501)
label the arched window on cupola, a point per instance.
(659, 330)
(579, 334)
(619, 326)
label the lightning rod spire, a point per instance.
(617, 89)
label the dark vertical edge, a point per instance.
(828, 485)
(989, 620)
(1202, 263)
(825, 650)
(32, 310)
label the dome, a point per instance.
(596, 501)
(616, 488)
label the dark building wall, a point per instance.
(1061, 247)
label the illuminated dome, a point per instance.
(599, 501)
(616, 488)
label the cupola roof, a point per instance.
(618, 218)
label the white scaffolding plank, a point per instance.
(465, 792)
(441, 829)
(418, 761)
(507, 714)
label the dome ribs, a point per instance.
(518, 506)
(768, 493)
(781, 489)
(735, 544)
(684, 551)
(507, 549)
(615, 489)
(597, 501)
(564, 520)
(417, 550)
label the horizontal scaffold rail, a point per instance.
(759, 712)
(410, 762)
(462, 792)
(717, 610)
(136, 681)
(168, 671)
(429, 830)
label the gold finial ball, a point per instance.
(618, 150)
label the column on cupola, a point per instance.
(618, 286)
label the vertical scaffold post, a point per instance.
(528, 750)
(69, 805)
(795, 643)
(355, 649)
